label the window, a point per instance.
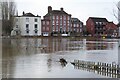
(36, 20)
(56, 28)
(64, 21)
(96, 23)
(68, 18)
(36, 32)
(77, 25)
(16, 26)
(77, 30)
(27, 19)
(74, 25)
(115, 31)
(36, 26)
(60, 17)
(47, 22)
(47, 28)
(60, 29)
(80, 30)
(74, 29)
(43, 22)
(27, 32)
(80, 25)
(64, 28)
(27, 26)
(43, 28)
(57, 17)
(53, 28)
(60, 22)
(57, 22)
(68, 28)
(100, 23)
(16, 19)
(64, 17)
(53, 22)
(68, 22)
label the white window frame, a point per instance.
(27, 19)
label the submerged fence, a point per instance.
(111, 70)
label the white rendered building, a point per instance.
(27, 25)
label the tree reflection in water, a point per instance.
(49, 64)
(63, 62)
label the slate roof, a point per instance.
(28, 15)
(75, 20)
(57, 12)
(97, 19)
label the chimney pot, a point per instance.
(49, 9)
(61, 9)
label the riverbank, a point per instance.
(70, 37)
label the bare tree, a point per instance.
(8, 9)
(116, 11)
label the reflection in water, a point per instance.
(111, 70)
(63, 62)
(41, 56)
(49, 63)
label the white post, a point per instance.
(119, 52)
(84, 44)
(119, 32)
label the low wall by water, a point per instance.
(111, 70)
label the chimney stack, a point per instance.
(23, 13)
(61, 9)
(49, 9)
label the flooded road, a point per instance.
(39, 57)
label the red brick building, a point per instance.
(100, 27)
(76, 27)
(111, 29)
(46, 23)
(59, 22)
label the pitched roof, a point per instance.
(98, 19)
(57, 12)
(29, 15)
(75, 20)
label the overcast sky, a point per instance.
(81, 9)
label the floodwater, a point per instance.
(39, 57)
